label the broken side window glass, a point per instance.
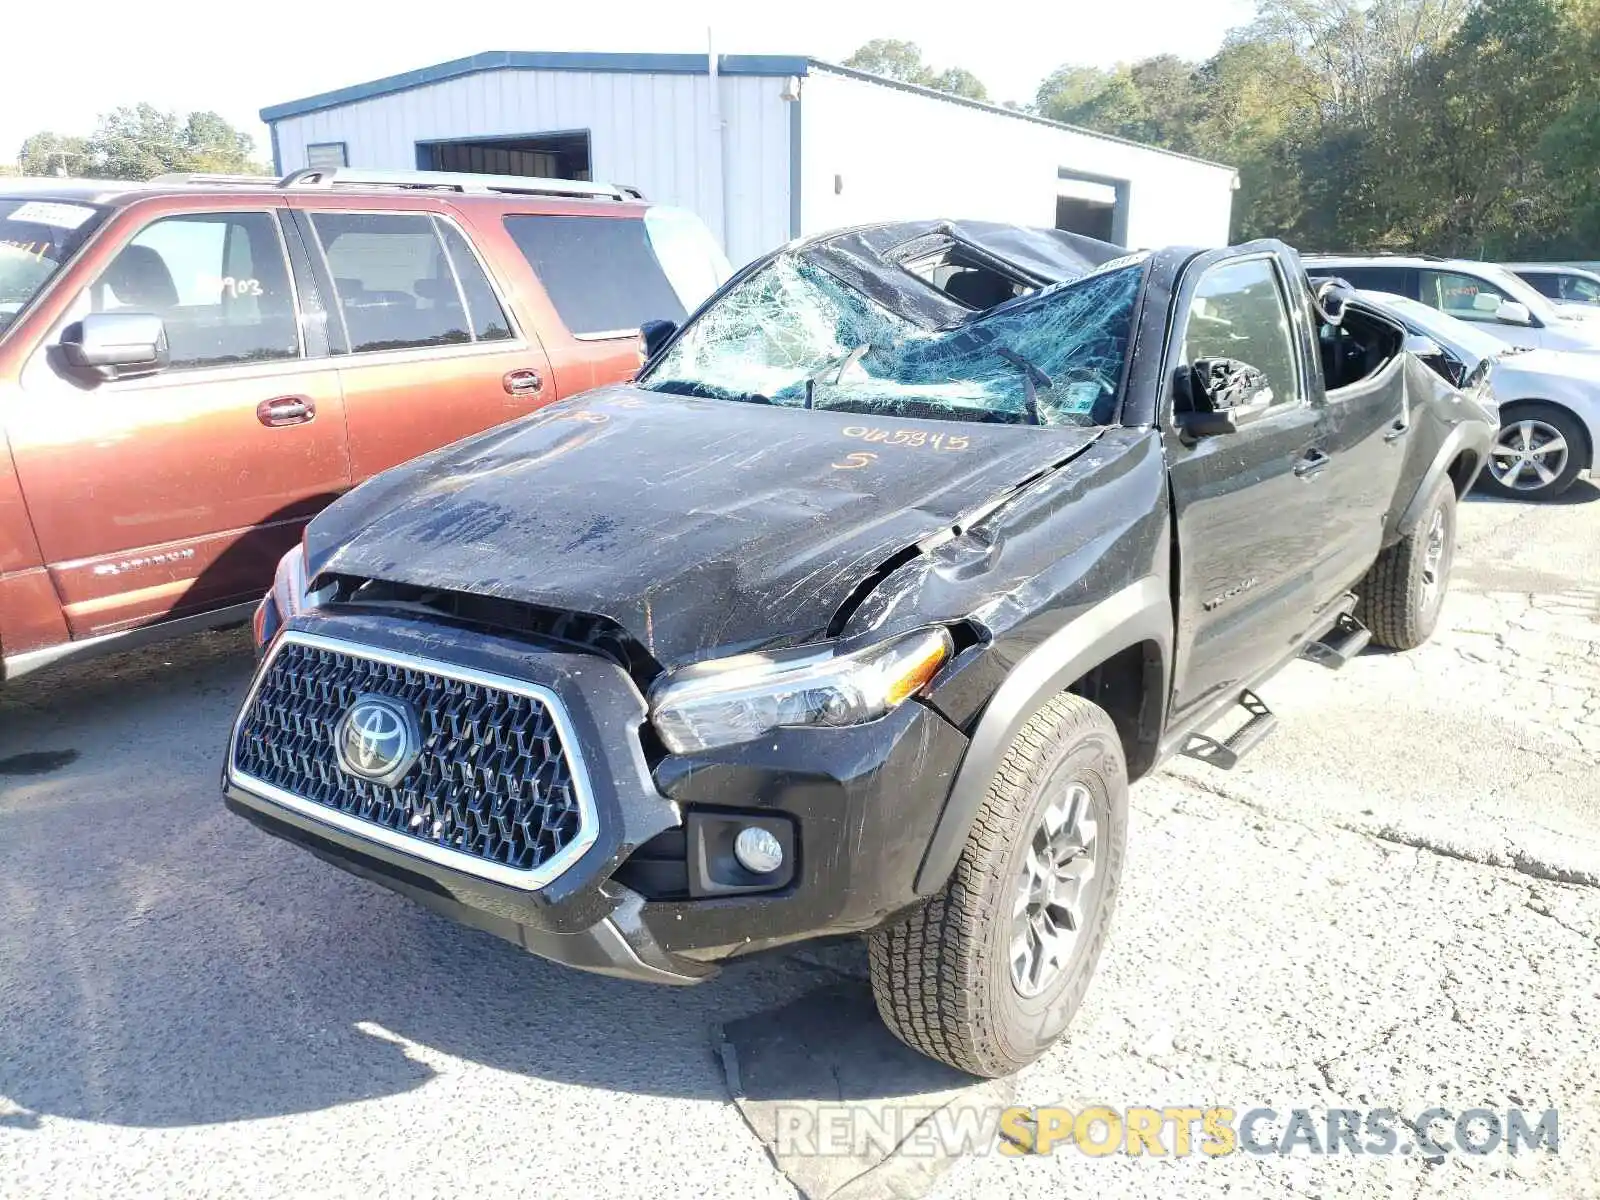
(792, 334)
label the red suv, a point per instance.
(191, 368)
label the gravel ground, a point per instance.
(1394, 902)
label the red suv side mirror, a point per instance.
(116, 345)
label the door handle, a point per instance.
(523, 382)
(1311, 462)
(285, 410)
(1398, 430)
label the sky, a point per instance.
(186, 55)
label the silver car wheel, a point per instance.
(1056, 890)
(1434, 566)
(1528, 455)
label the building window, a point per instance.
(323, 156)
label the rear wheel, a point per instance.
(988, 975)
(1403, 593)
(1537, 454)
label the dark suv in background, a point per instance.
(191, 368)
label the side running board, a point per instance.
(1345, 639)
(1226, 755)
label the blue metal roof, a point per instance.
(519, 60)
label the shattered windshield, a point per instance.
(792, 334)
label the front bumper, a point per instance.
(861, 802)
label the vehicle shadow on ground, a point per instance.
(1582, 491)
(163, 963)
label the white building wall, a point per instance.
(894, 154)
(649, 130)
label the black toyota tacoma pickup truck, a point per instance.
(858, 611)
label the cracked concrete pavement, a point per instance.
(1393, 902)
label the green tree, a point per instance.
(1474, 131)
(1569, 153)
(1257, 112)
(1093, 97)
(52, 154)
(1172, 100)
(894, 59)
(958, 81)
(1357, 48)
(141, 142)
(890, 58)
(1154, 100)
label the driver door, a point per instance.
(1250, 504)
(175, 492)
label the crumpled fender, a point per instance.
(1476, 437)
(1140, 612)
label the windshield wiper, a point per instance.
(1032, 377)
(838, 367)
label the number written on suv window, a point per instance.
(1465, 297)
(218, 281)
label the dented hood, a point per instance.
(702, 527)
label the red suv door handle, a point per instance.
(285, 410)
(523, 382)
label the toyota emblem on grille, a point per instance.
(378, 739)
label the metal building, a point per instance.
(764, 148)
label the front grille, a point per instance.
(494, 779)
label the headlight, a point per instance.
(289, 586)
(738, 699)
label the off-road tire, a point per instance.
(1570, 428)
(1392, 601)
(942, 979)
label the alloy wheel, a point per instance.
(1435, 560)
(1528, 455)
(1056, 889)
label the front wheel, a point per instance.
(1537, 453)
(1403, 593)
(987, 976)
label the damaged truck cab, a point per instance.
(859, 611)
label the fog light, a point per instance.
(758, 851)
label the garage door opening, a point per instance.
(542, 155)
(1092, 205)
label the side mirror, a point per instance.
(1512, 313)
(1224, 394)
(653, 335)
(117, 345)
(1423, 346)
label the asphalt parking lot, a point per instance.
(1394, 902)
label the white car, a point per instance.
(1549, 401)
(1565, 285)
(1481, 294)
